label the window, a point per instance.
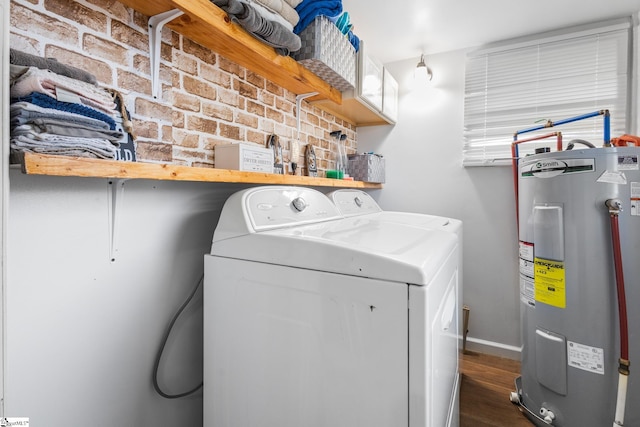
(517, 85)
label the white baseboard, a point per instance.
(494, 348)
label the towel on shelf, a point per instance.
(50, 83)
(293, 3)
(45, 101)
(30, 138)
(267, 14)
(282, 8)
(64, 146)
(34, 128)
(17, 57)
(354, 40)
(309, 9)
(64, 128)
(343, 22)
(23, 112)
(270, 32)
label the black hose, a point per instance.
(156, 365)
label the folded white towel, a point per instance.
(48, 83)
(293, 3)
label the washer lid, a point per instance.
(301, 227)
(356, 246)
(351, 202)
(259, 209)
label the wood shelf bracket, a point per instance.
(156, 23)
(115, 196)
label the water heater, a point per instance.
(568, 285)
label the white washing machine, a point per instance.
(357, 203)
(317, 320)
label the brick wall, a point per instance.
(207, 99)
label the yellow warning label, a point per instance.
(549, 282)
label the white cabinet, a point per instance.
(374, 101)
(389, 97)
(370, 79)
(377, 88)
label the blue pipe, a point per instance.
(607, 128)
(546, 125)
(582, 117)
(569, 120)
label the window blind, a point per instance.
(517, 86)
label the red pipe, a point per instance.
(622, 299)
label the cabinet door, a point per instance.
(369, 79)
(390, 97)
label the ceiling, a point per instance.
(404, 29)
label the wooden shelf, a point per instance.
(206, 24)
(38, 164)
(352, 111)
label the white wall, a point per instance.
(424, 174)
(82, 330)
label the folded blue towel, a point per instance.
(343, 22)
(45, 101)
(309, 9)
(354, 40)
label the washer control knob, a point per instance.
(358, 201)
(299, 204)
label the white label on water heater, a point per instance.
(527, 289)
(585, 357)
(628, 163)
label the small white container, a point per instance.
(244, 157)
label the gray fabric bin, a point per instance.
(366, 167)
(328, 54)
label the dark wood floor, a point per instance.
(487, 382)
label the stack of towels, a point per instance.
(54, 114)
(278, 23)
(271, 21)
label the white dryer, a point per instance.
(317, 320)
(357, 203)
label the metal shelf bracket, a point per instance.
(115, 197)
(156, 23)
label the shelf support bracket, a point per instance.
(116, 196)
(156, 23)
(299, 99)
